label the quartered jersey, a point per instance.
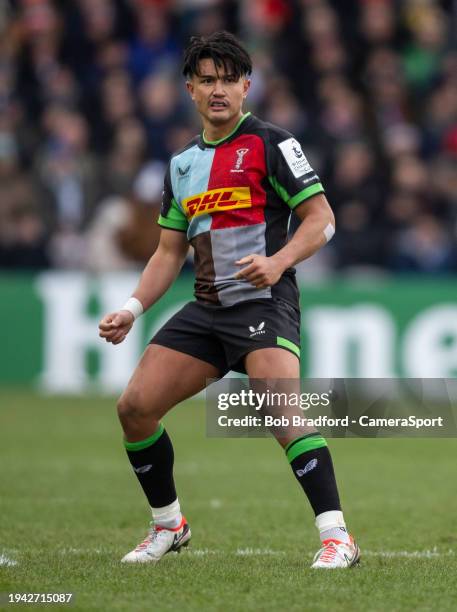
(234, 197)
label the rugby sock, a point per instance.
(152, 461)
(331, 525)
(313, 468)
(168, 516)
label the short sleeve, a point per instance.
(289, 172)
(171, 216)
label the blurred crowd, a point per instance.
(92, 104)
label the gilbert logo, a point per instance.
(217, 200)
(142, 469)
(239, 160)
(308, 467)
(256, 331)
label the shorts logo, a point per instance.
(255, 331)
(239, 160)
(294, 156)
(217, 200)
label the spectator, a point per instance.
(153, 46)
(140, 235)
(425, 247)
(91, 90)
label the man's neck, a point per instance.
(213, 133)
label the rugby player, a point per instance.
(229, 193)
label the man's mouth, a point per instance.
(218, 104)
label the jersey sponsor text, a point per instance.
(216, 200)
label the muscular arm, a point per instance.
(315, 215)
(159, 273)
(163, 267)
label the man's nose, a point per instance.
(218, 87)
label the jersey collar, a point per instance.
(214, 143)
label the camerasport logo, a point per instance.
(295, 157)
(217, 200)
(256, 331)
(239, 160)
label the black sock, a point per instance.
(152, 460)
(312, 465)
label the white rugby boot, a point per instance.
(335, 554)
(159, 542)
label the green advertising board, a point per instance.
(388, 328)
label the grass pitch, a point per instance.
(71, 508)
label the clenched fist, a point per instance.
(115, 326)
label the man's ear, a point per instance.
(246, 86)
(190, 88)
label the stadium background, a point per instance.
(92, 104)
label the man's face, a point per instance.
(218, 95)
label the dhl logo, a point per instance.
(217, 200)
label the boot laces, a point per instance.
(152, 535)
(329, 553)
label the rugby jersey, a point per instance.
(233, 197)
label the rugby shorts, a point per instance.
(223, 336)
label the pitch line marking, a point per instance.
(252, 552)
(6, 561)
(411, 554)
(263, 552)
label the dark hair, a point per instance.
(223, 48)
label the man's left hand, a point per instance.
(260, 271)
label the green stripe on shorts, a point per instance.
(280, 341)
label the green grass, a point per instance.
(70, 507)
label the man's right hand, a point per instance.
(115, 326)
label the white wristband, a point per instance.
(134, 306)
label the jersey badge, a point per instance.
(240, 153)
(294, 157)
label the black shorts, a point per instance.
(223, 336)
